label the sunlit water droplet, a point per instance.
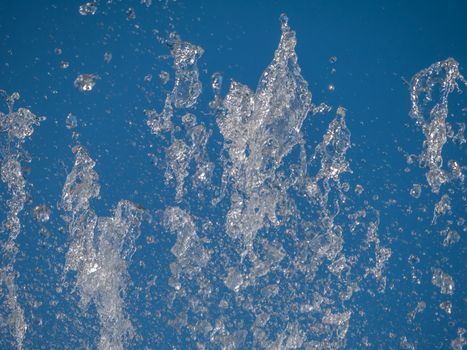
(164, 77)
(85, 82)
(88, 8)
(107, 57)
(42, 213)
(130, 13)
(71, 121)
(416, 191)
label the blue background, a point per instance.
(379, 46)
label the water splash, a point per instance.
(15, 127)
(190, 254)
(432, 84)
(274, 267)
(100, 248)
(259, 130)
(187, 86)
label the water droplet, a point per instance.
(146, 2)
(416, 191)
(446, 306)
(359, 189)
(88, 8)
(107, 57)
(85, 82)
(71, 121)
(451, 237)
(284, 19)
(442, 280)
(42, 213)
(130, 13)
(164, 77)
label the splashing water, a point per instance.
(443, 75)
(261, 129)
(100, 249)
(187, 86)
(271, 240)
(17, 126)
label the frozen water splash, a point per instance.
(16, 321)
(115, 247)
(382, 254)
(15, 127)
(279, 271)
(19, 124)
(332, 155)
(12, 176)
(187, 86)
(429, 92)
(179, 155)
(100, 250)
(159, 122)
(81, 184)
(190, 254)
(184, 94)
(260, 128)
